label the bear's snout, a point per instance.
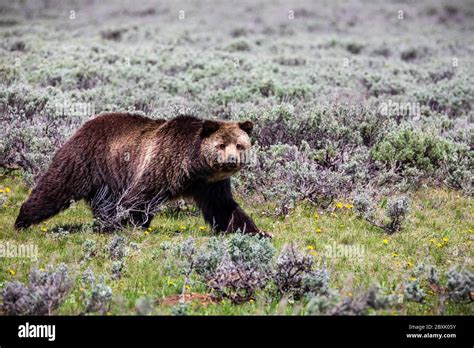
(232, 159)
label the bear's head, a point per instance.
(225, 146)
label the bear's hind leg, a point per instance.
(44, 202)
(66, 180)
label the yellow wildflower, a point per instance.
(7, 189)
(316, 215)
(44, 229)
(318, 230)
(171, 283)
(2, 190)
(439, 245)
(445, 239)
(188, 287)
(202, 228)
(385, 241)
(413, 279)
(311, 247)
(348, 206)
(433, 240)
(409, 264)
(146, 233)
(349, 294)
(12, 272)
(182, 227)
(395, 255)
(339, 205)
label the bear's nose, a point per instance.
(232, 159)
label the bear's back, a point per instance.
(122, 120)
(110, 125)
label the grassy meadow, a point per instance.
(389, 260)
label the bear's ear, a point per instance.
(246, 126)
(209, 127)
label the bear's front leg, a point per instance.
(221, 211)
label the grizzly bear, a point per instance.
(126, 166)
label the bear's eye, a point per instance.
(222, 146)
(240, 147)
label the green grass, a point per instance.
(436, 214)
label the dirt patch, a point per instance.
(203, 299)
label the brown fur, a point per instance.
(125, 166)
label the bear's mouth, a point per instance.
(222, 173)
(230, 167)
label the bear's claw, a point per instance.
(264, 234)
